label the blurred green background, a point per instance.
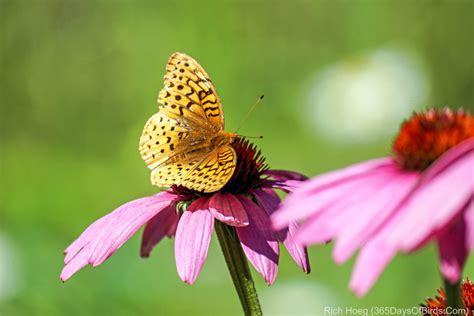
(80, 78)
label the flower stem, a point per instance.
(453, 295)
(238, 268)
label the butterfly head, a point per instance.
(224, 139)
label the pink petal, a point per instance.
(336, 177)
(315, 195)
(285, 185)
(433, 204)
(101, 239)
(163, 224)
(287, 181)
(450, 157)
(371, 212)
(270, 202)
(227, 208)
(286, 175)
(436, 199)
(337, 214)
(258, 241)
(369, 265)
(469, 218)
(333, 210)
(453, 250)
(192, 239)
(75, 264)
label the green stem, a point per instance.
(238, 268)
(453, 295)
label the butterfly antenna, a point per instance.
(251, 136)
(250, 112)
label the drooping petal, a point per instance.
(227, 208)
(340, 207)
(286, 175)
(369, 265)
(371, 212)
(339, 176)
(333, 209)
(101, 239)
(193, 235)
(258, 241)
(285, 185)
(435, 198)
(469, 218)
(432, 205)
(453, 250)
(285, 180)
(161, 225)
(75, 264)
(315, 195)
(269, 202)
(450, 157)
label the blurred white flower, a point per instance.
(297, 298)
(8, 269)
(364, 98)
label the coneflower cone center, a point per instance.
(437, 305)
(426, 136)
(467, 294)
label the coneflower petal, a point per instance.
(227, 208)
(163, 224)
(269, 202)
(369, 265)
(193, 236)
(453, 249)
(259, 242)
(302, 203)
(101, 239)
(408, 228)
(374, 210)
(286, 175)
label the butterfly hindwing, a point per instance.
(213, 172)
(206, 174)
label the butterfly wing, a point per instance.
(190, 94)
(162, 139)
(175, 143)
(206, 175)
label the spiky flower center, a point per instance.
(467, 293)
(250, 167)
(426, 136)
(437, 306)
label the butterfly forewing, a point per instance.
(188, 87)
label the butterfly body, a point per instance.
(185, 142)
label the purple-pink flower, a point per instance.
(423, 193)
(245, 204)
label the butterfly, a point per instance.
(185, 142)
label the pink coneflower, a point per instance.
(243, 205)
(400, 203)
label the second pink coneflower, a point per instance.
(423, 193)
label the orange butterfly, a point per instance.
(185, 142)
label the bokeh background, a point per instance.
(79, 79)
